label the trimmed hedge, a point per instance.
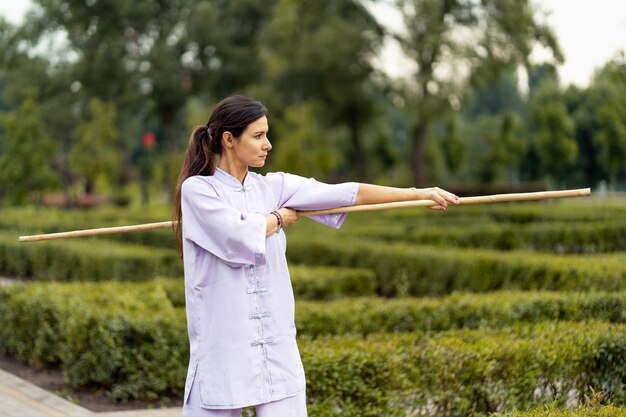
(133, 343)
(309, 283)
(368, 315)
(85, 259)
(460, 373)
(328, 283)
(595, 411)
(364, 316)
(582, 210)
(32, 220)
(125, 338)
(403, 270)
(559, 237)
(591, 225)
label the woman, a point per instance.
(239, 300)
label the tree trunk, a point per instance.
(417, 154)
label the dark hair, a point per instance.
(233, 114)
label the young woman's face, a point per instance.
(253, 145)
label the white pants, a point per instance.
(287, 407)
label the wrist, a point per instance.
(417, 194)
(279, 220)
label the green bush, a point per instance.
(32, 220)
(460, 373)
(35, 220)
(125, 338)
(583, 210)
(495, 310)
(560, 237)
(309, 283)
(327, 283)
(403, 270)
(595, 411)
(85, 259)
(366, 315)
(131, 341)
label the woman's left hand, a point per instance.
(436, 194)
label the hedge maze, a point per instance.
(510, 310)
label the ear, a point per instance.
(227, 140)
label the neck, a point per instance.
(234, 168)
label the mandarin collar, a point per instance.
(228, 179)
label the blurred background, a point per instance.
(98, 97)
(479, 310)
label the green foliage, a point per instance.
(308, 70)
(463, 372)
(611, 137)
(552, 411)
(309, 144)
(84, 260)
(129, 339)
(309, 283)
(551, 236)
(453, 145)
(502, 147)
(124, 338)
(26, 153)
(329, 100)
(497, 310)
(554, 130)
(95, 150)
(409, 270)
(34, 220)
(327, 283)
(499, 37)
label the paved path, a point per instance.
(19, 398)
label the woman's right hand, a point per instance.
(290, 216)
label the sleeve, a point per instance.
(236, 237)
(301, 193)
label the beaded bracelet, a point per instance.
(279, 218)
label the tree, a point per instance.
(501, 95)
(25, 153)
(554, 130)
(453, 145)
(491, 36)
(148, 57)
(95, 150)
(505, 150)
(309, 147)
(610, 138)
(611, 141)
(321, 52)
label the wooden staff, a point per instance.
(544, 195)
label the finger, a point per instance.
(442, 201)
(437, 207)
(453, 198)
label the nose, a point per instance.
(268, 145)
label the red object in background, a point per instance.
(148, 139)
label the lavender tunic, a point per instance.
(240, 305)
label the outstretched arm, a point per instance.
(373, 194)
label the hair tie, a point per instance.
(208, 132)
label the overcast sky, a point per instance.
(590, 33)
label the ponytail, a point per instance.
(199, 160)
